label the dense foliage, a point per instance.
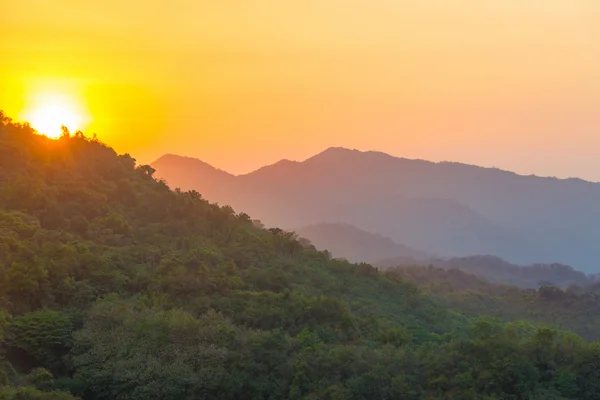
(113, 286)
(576, 308)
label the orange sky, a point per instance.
(507, 83)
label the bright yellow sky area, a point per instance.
(240, 84)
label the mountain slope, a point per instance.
(116, 287)
(447, 208)
(546, 304)
(112, 282)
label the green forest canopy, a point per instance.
(114, 286)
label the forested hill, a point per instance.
(575, 308)
(114, 286)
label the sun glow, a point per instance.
(48, 112)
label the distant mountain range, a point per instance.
(497, 270)
(356, 245)
(449, 209)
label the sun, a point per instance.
(48, 112)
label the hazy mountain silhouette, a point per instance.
(445, 208)
(347, 241)
(497, 270)
(190, 173)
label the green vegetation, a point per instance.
(575, 308)
(113, 286)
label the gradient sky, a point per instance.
(507, 83)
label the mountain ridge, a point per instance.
(447, 208)
(332, 149)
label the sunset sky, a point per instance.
(507, 83)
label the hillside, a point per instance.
(497, 270)
(355, 245)
(573, 307)
(449, 209)
(116, 287)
